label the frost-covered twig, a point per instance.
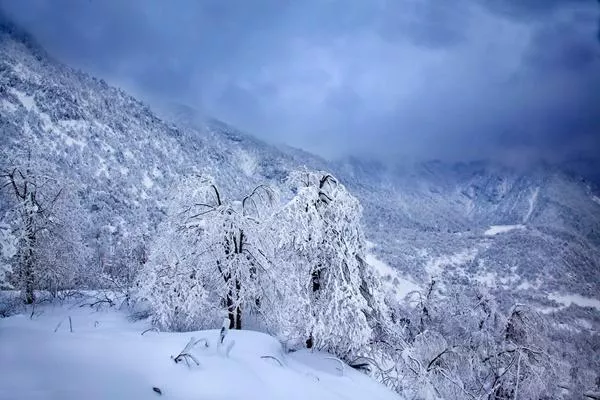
(273, 358)
(224, 330)
(34, 313)
(364, 362)
(185, 354)
(518, 377)
(222, 336)
(154, 329)
(99, 301)
(434, 359)
(458, 385)
(67, 294)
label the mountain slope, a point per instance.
(428, 211)
(427, 220)
(425, 214)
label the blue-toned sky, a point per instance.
(452, 79)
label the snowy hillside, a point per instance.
(125, 160)
(509, 235)
(419, 214)
(510, 221)
(121, 363)
(422, 213)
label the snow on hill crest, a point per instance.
(121, 363)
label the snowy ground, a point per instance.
(496, 229)
(106, 357)
(436, 265)
(390, 277)
(581, 301)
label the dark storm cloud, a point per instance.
(509, 79)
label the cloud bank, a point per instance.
(416, 79)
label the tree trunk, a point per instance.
(238, 318)
(29, 286)
(238, 309)
(234, 313)
(316, 280)
(230, 310)
(28, 275)
(309, 342)
(316, 286)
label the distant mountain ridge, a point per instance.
(426, 220)
(420, 213)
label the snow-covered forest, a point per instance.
(292, 264)
(316, 279)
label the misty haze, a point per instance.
(320, 199)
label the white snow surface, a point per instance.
(436, 265)
(492, 279)
(568, 299)
(596, 199)
(106, 357)
(148, 183)
(8, 106)
(532, 201)
(526, 285)
(496, 229)
(27, 101)
(398, 284)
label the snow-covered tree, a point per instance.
(175, 290)
(215, 247)
(8, 250)
(120, 257)
(321, 248)
(46, 221)
(456, 343)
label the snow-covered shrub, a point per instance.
(10, 303)
(176, 293)
(122, 258)
(456, 343)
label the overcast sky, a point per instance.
(450, 79)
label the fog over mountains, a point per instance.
(127, 157)
(530, 234)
